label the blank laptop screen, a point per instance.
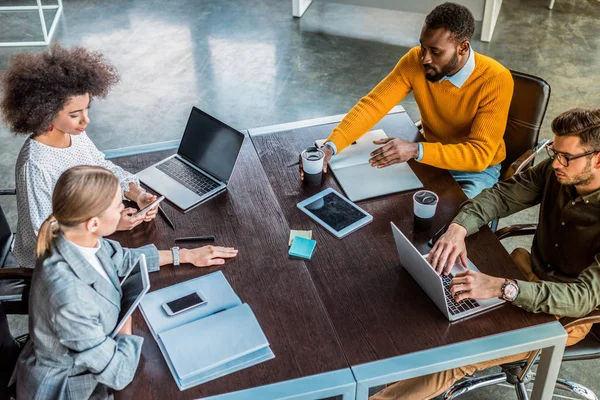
(210, 144)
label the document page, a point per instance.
(358, 153)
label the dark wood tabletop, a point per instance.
(279, 290)
(376, 308)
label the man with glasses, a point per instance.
(563, 270)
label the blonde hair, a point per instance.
(81, 193)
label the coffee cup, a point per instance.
(425, 203)
(312, 165)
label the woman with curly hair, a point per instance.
(47, 96)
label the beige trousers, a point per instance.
(428, 386)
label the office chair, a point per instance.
(525, 116)
(14, 282)
(14, 299)
(519, 373)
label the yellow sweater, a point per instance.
(463, 127)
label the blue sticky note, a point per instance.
(302, 248)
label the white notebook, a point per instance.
(211, 342)
(361, 181)
(206, 342)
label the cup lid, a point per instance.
(426, 197)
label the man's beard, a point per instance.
(582, 179)
(451, 66)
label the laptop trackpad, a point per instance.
(175, 192)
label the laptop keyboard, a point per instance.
(453, 306)
(196, 181)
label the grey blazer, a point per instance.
(72, 312)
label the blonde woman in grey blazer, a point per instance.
(76, 296)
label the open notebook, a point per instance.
(359, 180)
(206, 342)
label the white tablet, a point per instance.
(335, 213)
(134, 287)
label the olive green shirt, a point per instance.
(566, 247)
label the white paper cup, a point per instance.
(425, 203)
(312, 165)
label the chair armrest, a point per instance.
(516, 230)
(591, 318)
(16, 273)
(8, 192)
(519, 164)
(419, 126)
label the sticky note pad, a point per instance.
(302, 248)
(295, 233)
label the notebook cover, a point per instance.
(244, 362)
(215, 289)
(213, 341)
(376, 182)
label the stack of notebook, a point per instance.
(209, 341)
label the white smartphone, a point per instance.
(184, 303)
(149, 206)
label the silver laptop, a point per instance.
(202, 166)
(438, 287)
(134, 287)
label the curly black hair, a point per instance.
(454, 17)
(37, 86)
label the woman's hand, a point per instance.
(206, 256)
(142, 201)
(127, 328)
(128, 221)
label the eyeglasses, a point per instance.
(563, 159)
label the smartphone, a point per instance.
(149, 206)
(184, 303)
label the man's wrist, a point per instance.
(458, 229)
(414, 151)
(331, 146)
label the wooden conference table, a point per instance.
(349, 320)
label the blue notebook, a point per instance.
(207, 342)
(302, 248)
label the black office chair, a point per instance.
(519, 373)
(525, 116)
(13, 281)
(14, 299)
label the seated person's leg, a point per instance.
(429, 386)
(473, 183)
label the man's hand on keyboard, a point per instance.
(475, 285)
(449, 249)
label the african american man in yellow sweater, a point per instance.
(463, 98)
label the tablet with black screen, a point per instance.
(135, 285)
(335, 213)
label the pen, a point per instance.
(164, 215)
(195, 238)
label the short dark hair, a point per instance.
(454, 17)
(581, 122)
(37, 86)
